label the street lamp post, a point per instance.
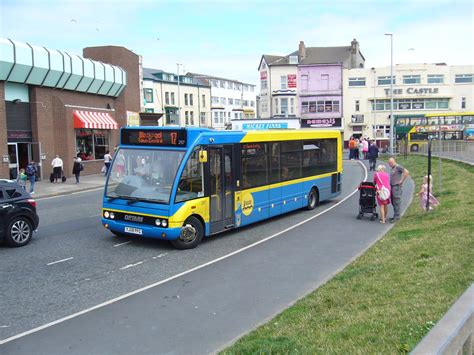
(374, 130)
(179, 100)
(391, 92)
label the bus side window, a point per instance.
(190, 184)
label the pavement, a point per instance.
(45, 188)
(85, 291)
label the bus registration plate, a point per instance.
(133, 230)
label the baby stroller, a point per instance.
(367, 202)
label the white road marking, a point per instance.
(131, 265)
(117, 245)
(119, 298)
(160, 256)
(4, 326)
(96, 215)
(60, 261)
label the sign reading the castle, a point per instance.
(413, 91)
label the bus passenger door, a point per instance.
(221, 180)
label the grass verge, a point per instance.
(390, 297)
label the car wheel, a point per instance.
(19, 232)
(191, 234)
(313, 199)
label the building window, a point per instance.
(237, 102)
(214, 100)
(463, 78)
(231, 101)
(186, 116)
(238, 86)
(304, 82)
(283, 82)
(463, 102)
(223, 84)
(320, 106)
(172, 99)
(275, 109)
(167, 98)
(149, 110)
(252, 88)
(357, 105)
(283, 106)
(223, 100)
(385, 80)
(263, 84)
(186, 99)
(214, 83)
(230, 85)
(246, 88)
(191, 117)
(92, 143)
(411, 79)
(236, 115)
(203, 118)
(325, 81)
(203, 100)
(246, 103)
(292, 106)
(435, 78)
(221, 117)
(356, 81)
(148, 95)
(411, 104)
(216, 117)
(252, 103)
(191, 103)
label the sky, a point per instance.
(227, 38)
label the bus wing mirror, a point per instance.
(203, 156)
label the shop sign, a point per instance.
(11, 135)
(413, 91)
(264, 125)
(404, 105)
(291, 80)
(418, 105)
(133, 119)
(320, 122)
(357, 118)
(263, 75)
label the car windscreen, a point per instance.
(143, 174)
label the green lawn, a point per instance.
(390, 297)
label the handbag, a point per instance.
(383, 193)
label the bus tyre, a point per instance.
(191, 234)
(313, 199)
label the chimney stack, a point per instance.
(301, 51)
(354, 46)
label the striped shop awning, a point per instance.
(92, 119)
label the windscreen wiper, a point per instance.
(133, 200)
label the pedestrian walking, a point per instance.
(398, 175)
(352, 145)
(365, 147)
(423, 194)
(382, 184)
(373, 154)
(77, 168)
(107, 161)
(31, 171)
(57, 165)
(356, 149)
(22, 178)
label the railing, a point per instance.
(454, 150)
(454, 333)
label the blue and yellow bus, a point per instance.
(181, 184)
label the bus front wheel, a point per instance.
(313, 199)
(191, 234)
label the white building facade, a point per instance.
(230, 100)
(418, 89)
(186, 104)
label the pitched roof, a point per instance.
(148, 73)
(314, 55)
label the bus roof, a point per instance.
(449, 114)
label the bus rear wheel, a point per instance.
(313, 199)
(191, 234)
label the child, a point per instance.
(424, 194)
(22, 177)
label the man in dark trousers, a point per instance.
(373, 154)
(398, 175)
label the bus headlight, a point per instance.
(158, 222)
(106, 214)
(112, 215)
(164, 223)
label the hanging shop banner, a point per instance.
(263, 75)
(320, 122)
(291, 80)
(133, 119)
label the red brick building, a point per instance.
(57, 103)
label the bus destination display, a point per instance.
(152, 137)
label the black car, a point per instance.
(18, 218)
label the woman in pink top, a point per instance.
(382, 181)
(365, 147)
